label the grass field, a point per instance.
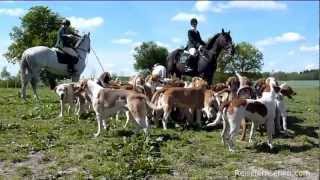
(34, 143)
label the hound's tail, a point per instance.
(150, 104)
(220, 115)
(241, 80)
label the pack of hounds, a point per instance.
(149, 100)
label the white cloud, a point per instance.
(122, 41)
(181, 16)
(12, 11)
(117, 61)
(204, 6)
(134, 45)
(176, 40)
(159, 43)
(257, 5)
(130, 33)
(314, 48)
(311, 66)
(285, 37)
(7, 1)
(86, 23)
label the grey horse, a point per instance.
(40, 57)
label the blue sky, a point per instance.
(287, 32)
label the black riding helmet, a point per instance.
(193, 21)
(66, 22)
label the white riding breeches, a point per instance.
(192, 51)
(159, 71)
(70, 51)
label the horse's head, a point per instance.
(84, 43)
(225, 42)
(222, 41)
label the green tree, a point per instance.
(38, 27)
(246, 58)
(5, 75)
(148, 54)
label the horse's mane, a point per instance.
(79, 41)
(212, 40)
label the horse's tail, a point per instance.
(25, 66)
(172, 60)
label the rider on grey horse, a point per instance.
(64, 42)
(194, 42)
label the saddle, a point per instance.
(184, 55)
(64, 58)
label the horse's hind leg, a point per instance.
(25, 78)
(34, 82)
(24, 84)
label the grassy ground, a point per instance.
(35, 143)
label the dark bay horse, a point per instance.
(204, 65)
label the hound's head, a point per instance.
(63, 90)
(233, 83)
(286, 90)
(153, 81)
(210, 104)
(198, 82)
(218, 87)
(140, 80)
(246, 92)
(271, 82)
(80, 87)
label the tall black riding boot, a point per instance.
(70, 68)
(187, 67)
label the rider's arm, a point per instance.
(200, 39)
(75, 34)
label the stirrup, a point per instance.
(187, 69)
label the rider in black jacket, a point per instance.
(194, 41)
(64, 36)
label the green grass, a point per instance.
(35, 143)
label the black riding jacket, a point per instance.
(194, 39)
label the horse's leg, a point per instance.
(75, 78)
(25, 78)
(34, 81)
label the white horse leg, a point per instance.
(34, 81)
(24, 84)
(25, 76)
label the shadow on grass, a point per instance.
(165, 137)
(293, 124)
(264, 148)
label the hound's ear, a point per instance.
(222, 31)
(88, 33)
(228, 32)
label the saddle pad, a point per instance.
(183, 57)
(64, 58)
